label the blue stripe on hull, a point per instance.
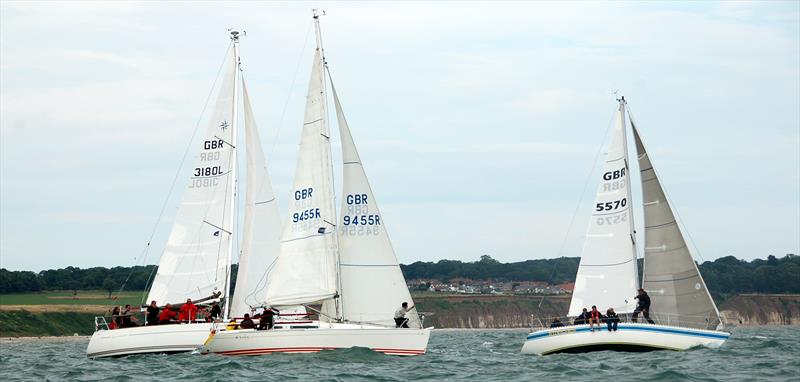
(657, 329)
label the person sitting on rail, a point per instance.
(247, 323)
(232, 325)
(556, 323)
(611, 319)
(116, 319)
(595, 317)
(581, 319)
(127, 317)
(167, 316)
(216, 312)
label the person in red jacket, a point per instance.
(595, 317)
(188, 311)
(167, 315)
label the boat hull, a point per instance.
(147, 339)
(628, 337)
(391, 341)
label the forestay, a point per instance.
(195, 259)
(372, 284)
(306, 268)
(262, 225)
(607, 274)
(671, 277)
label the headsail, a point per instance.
(306, 268)
(262, 225)
(671, 277)
(607, 275)
(194, 263)
(373, 286)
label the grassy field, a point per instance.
(61, 300)
(27, 324)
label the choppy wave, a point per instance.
(479, 355)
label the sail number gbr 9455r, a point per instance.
(206, 172)
(357, 219)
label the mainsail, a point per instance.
(262, 225)
(372, 283)
(607, 275)
(194, 263)
(306, 268)
(671, 277)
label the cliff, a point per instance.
(497, 311)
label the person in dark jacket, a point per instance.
(216, 312)
(582, 318)
(556, 323)
(595, 317)
(152, 313)
(611, 319)
(643, 306)
(247, 323)
(267, 320)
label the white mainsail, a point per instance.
(373, 286)
(670, 276)
(305, 271)
(262, 226)
(607, 275)
(195, 261)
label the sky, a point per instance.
(479, 124)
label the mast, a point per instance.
(622, 104)
(232, 189)
(332, 194)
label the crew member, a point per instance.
(188, 311)
(594, 317)
(152, 313)
(611, 319)
(167, 315)
(556, 323)
(400, 319)
(581, 319)
(643, 306)
(247, 323)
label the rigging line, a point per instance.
(680, 220)
(289, 96)
(146, 249)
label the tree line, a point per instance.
(725, 275)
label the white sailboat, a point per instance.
(345, 264)
(196, 262)
(682, 307)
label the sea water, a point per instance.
(751, 354)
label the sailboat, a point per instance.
(196, 261)
(684, 312)
(345, 266)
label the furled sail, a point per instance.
(262, 226)
(194, 263)
(671, 277)
(372, 284)
(607, 275)
(306, 268)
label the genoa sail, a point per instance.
(372, 284)
(607, 275)
(262, 226)
(194, 263)
(670, 276)
(305, 271)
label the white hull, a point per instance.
(307, 339)
(148, 339)
(628, 337)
